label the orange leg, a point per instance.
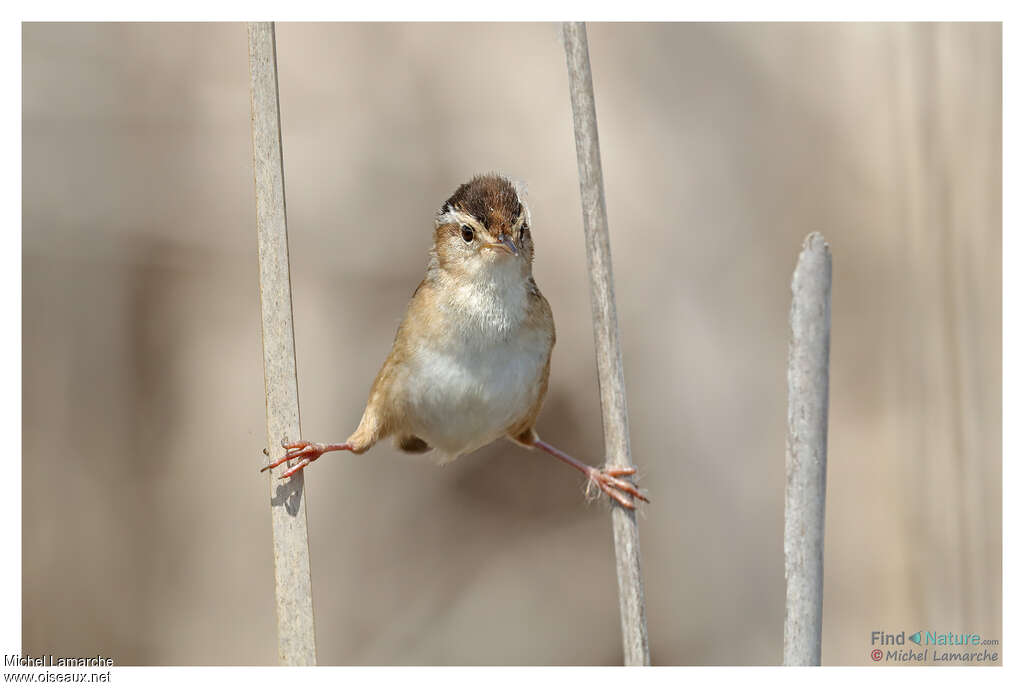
(609, 480)
(306, 452)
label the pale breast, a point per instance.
(462, 398)
(465, 389)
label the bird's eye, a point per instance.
(523, 230)
(467, 234)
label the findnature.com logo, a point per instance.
(936, 648)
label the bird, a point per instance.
(471, 359)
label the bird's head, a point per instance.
(483, 231)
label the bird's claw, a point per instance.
(306, 452)
(609, 480)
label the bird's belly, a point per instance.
(460, 400)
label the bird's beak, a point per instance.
(504, 243)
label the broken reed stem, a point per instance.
(296, 641)
(606, 340)
(810, 319)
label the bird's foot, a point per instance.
(306, 453)
(610, 481)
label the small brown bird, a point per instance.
(471, 359)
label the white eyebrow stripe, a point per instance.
(456, 216)
(520, 189)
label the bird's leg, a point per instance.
(306, 452)
(608, 479)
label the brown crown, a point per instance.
(489, 198)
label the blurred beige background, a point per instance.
(146, 532)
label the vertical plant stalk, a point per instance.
(810, 319)
(606, 340)
(296, 641)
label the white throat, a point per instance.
(484, 371)
(492, 301)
